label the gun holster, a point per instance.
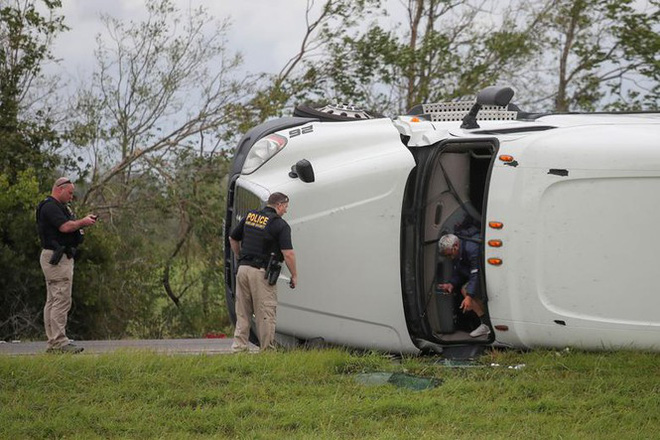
(57, 255)
(60, 251)
(273, 270)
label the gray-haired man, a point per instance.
(465, 256)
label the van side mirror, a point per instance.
(494, 95)
(302, 169)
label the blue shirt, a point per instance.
(466, 267)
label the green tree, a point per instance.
(273, 95)
(28, 143)
(154, 119)
(593, 52)
(193, 271)
(26, 133)
(558, 54)
(445, 50)
(639, 35)
(22, 289)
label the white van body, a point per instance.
(577, 200)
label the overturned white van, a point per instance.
(567, 206)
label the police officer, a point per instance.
(60, 234)
(261, 237)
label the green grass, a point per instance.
(314, 394)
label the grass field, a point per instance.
(315, 394)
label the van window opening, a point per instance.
(454, 203)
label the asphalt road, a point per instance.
(168, 346)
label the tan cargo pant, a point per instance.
(254, 296)
(59, 279)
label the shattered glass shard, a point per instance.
(400, 380)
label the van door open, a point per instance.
(449, 196)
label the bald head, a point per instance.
(62, 190)
(62, 181)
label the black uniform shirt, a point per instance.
(51, 214)
(277, 231)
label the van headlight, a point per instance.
(262, 151)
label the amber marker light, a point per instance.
(496, 225)
(506, 158)
(495, 243)
(414, 119)
(495, 261)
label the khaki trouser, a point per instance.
(254, 295)
(59, 279)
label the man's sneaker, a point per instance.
(69, 348)
(482, 330)
(239, 349)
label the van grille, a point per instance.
(244, 201)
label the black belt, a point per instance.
(69, 251)
(68, 248)
(257, 262)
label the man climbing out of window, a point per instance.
(465, 255)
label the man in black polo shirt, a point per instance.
(60, 235)
(261, 236)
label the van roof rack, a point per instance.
(456, 111)
(491, 104)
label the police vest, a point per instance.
(257, 243)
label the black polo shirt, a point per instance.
(277, 233)
(52, 214)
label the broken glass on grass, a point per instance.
(400, 380)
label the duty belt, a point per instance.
(69, 251)
(257, 262)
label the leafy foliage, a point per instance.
(154, 120)
(440, 54)
(558, 54)
(594, 50)
(153, 127)
(27, 160)
(21, 275)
